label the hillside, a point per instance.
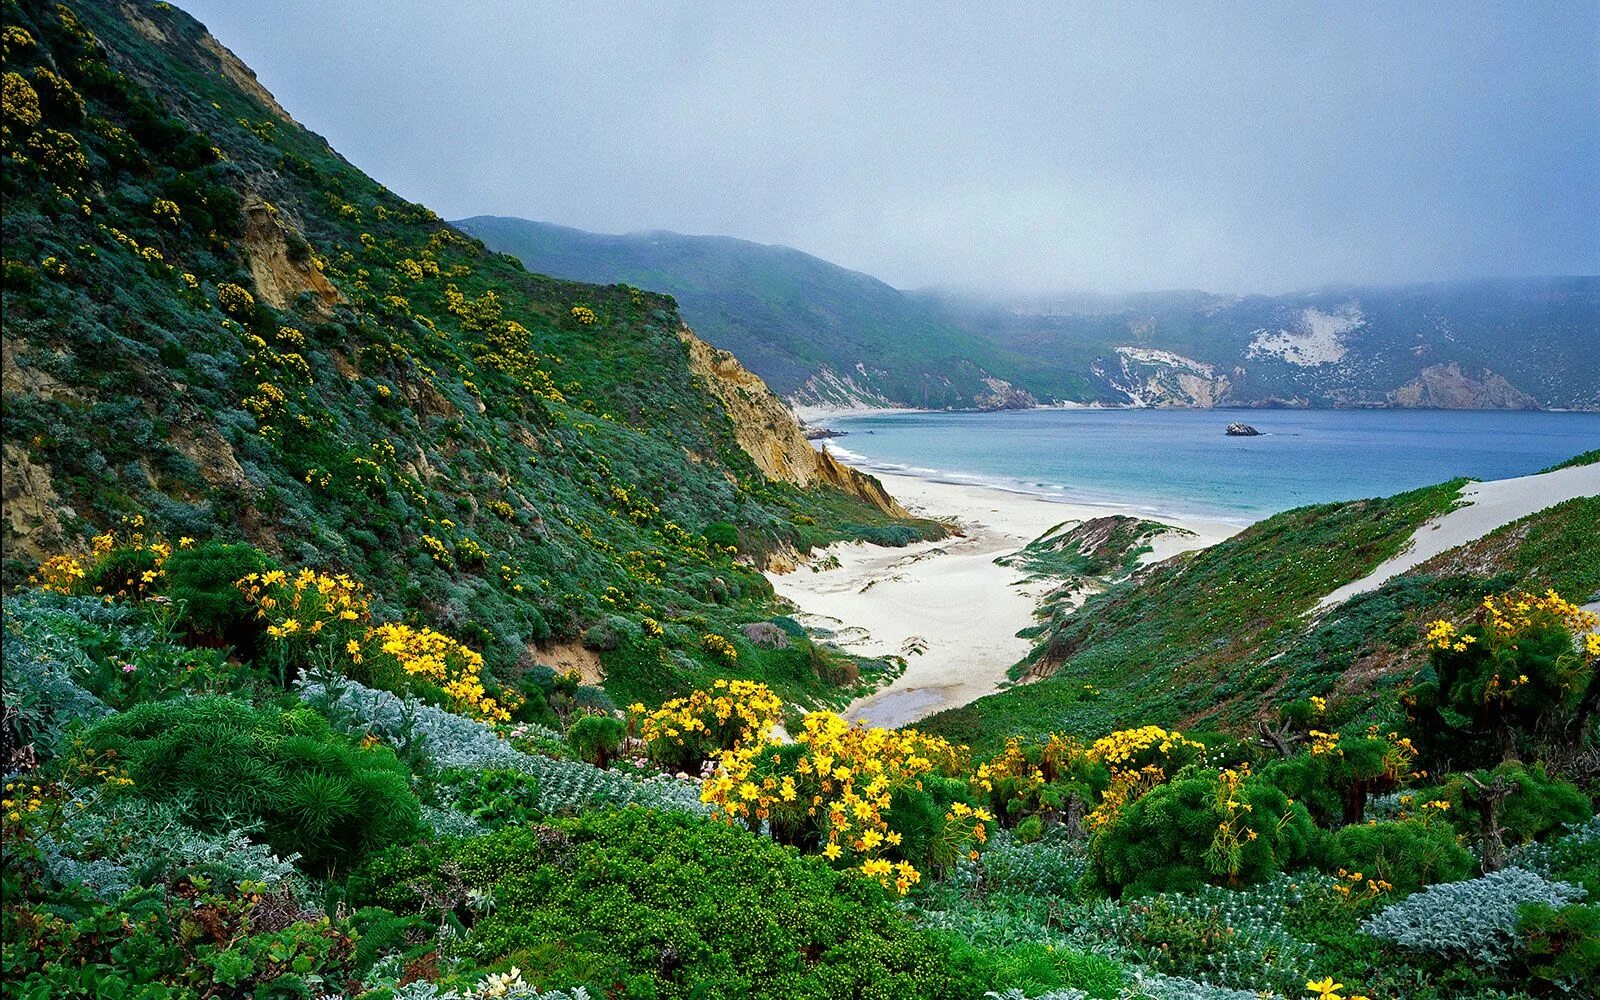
(332, 541)
(1489, 344)
(217, 328)
(825, 336)
(1323, 600)
(818, 333)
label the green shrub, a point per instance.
(723, 534)
(595, 738)
(1172, 837)
(188, 940)
(201, 580)
(1408, 854)
(1030, 830)
(495, 797)
(223, 762)
(1536, 806)
(670, 906)
(1561, 945)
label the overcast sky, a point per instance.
(1024, 148)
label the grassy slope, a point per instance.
(1213, 638)
(1195, 630)
(785, 313)
(583, 460)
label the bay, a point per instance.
(1181, 462)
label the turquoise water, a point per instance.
(1180, 462)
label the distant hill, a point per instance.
(1486, 344)
(816, 332)
(823, 334)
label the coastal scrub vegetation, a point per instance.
(278, 818)
(315, 489)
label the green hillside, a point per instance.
(1216, 637)
(216, 325)
(817, 332)
(821, 334)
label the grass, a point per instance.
(1198, 631)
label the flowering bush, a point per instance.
(685, 733)
(127, 567)
(310, 617)
(1525, 675)
(395, 655)
(865, 797)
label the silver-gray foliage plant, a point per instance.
(1474, 920)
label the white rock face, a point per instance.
(1317, 339)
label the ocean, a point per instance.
(1180, 462)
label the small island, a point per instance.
(1241, 430)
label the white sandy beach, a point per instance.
(950, 595)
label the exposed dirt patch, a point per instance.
(565, 657)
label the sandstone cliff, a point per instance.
(768, 432)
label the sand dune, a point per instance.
(1489, 506)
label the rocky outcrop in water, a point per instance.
(1241, 430)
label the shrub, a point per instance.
(223, 762)
(1561, 945)
(202, 580)
(1474, 921)
(1227, 829)
(595, 738)
(1514, 684)
(670, 906)
(1407, 854)
(722, 534)
(493, 797)
(684, 733)
(187, 940)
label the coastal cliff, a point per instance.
(768, 432)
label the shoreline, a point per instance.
(948, 596)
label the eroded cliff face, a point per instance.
(1447, 387)
(768, 432)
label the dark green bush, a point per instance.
(1561, 946)
(1168, 838)
(225, 764)
(723, 534)
(494, 798)
(595, 738)
(201, 580)
(672, 906)
(191, 939)
(1408, 854)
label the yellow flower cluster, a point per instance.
(839, 789)
(729, 714)
(1444, 635)
(720, 647)
(1513, 612)
(1226, 853)
(1125, 787)
(442, 661)
(81, 574)
(1127, 746)
(583, 315)
(305, 603)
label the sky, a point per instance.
(1014, 149)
